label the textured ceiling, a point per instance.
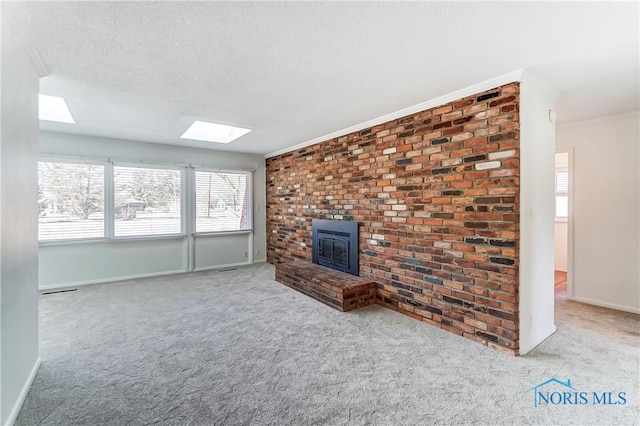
(297, 71)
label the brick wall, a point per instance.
(436, 194)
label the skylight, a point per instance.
(54, 108)
(212, 132)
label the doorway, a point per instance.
(563, 225)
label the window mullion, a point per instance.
(188, 201)
(108, 201)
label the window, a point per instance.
(71, 200)
(89, 200)
(221, 201)
(147, 201)
(562, 193)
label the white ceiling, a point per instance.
(295, 71)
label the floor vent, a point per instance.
(59, 291)
(227, 269)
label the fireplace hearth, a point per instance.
(335, 244)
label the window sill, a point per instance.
(54, 243)
(109, 240)
(223, 233)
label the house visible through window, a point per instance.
(71, 201)
(147, 201)
(221, 201)
(84, 200)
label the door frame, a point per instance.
(569, 152)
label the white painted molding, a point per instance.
(569, 220)
(230, 265)
(133, 277)
(107, 280)
(23, 394)
(605, 305)
(441, 100)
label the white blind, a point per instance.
(147, 201)
(562, 181)
(221, 201)
(71, 201)
(562, 190)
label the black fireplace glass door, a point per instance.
(335, 250)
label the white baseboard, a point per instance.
(133, 277)
(108, 280)
(230, 265)
(23, 394)
(605, 305)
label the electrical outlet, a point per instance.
(246, 254)
(258, 252)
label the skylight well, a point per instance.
(212, 132)
(54, 108)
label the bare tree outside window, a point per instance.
(147, 201)
(71, 200)
(221, 201)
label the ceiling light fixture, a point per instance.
(212, 132)
(54, 108)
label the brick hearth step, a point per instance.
(342, 291)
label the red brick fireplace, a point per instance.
(436, 195)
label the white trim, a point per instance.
(605, 305)
(441, 100)
(144, 164)
(77, 241)
(189, 218)
(229, 265)
(109, 202)
(75, 284)
(259, 261)
(147, 237)
(222, 233)
(211, 169)
(13, 415)
(569, 220)
(149, 165)
(107, 280)
(73, 159)
(133, 238)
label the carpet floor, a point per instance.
(237, 348)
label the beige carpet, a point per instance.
(237, 348)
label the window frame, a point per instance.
(187, 199)
(112, 205)
(78, 161)
(249, 192)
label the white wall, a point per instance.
(537, 157)
(18, 227)
(68, 264)
(606, 210)
(76, 264)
